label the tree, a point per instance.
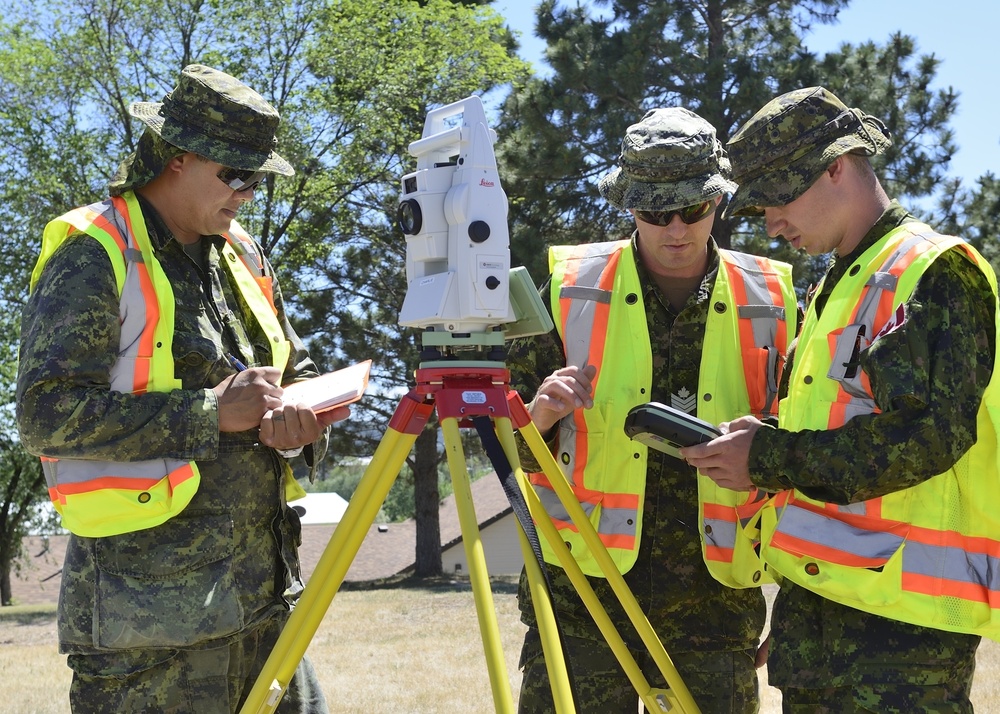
(723, 59)
(352, 80)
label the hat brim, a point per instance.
(626, 193)
(781, 186)
(222, 152)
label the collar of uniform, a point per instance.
(648, 285)
(893, 216)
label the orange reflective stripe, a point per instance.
(745, 327)
(99, 220)
(800, 547)
(719, 512)
(120, 483)
(606, 282)
(620, 500)
(774, 287)
(266, 283)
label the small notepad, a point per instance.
(330, 390)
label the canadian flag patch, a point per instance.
(897, 320)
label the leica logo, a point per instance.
(487, 184)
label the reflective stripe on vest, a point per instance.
(599, 304)
(101, 498)
(928, 555)
(764, 297)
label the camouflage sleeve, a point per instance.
(69, 342)
(928, 378)
(531, 360)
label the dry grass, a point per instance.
(402, 648)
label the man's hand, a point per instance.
(725, 459)
(293, 425)
(246, 396)
(560, 393)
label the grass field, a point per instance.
(413, 647)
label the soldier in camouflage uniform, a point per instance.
(670, 160)
(802, 162)
(179, 617)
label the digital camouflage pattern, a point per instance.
(928, 378)
(150, 157)
(187, 681)
(670, 159)
(786, 145)
(720, 682)
(214, 115)
(697, 618)
(223, 566)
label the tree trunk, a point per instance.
(6, 596)
(427, 498)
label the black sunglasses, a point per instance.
(688, 214)
(241, 179)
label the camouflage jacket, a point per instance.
(225, 562)
(686, 606)
(928, 379)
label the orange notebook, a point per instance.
(330, 390)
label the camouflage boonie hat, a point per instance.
(670, 159)
(790, 142)
(214, 115)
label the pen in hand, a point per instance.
(237, 365)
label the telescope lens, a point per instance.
(409, 217)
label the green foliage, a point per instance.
(352, 80)
(721, 58)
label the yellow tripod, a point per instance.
(461, 391)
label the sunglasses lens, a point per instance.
(693, 214)
(688, 214)
(241, 179)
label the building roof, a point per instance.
(388, 550)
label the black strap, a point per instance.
(501, 465)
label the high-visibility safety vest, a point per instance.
(103, 498)
(928, 555)
(598, 310)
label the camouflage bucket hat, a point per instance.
(216, 116)
(670, 159)
(790, 142)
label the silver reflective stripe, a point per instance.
(951, 563)
(577, 292)
(818, 528)
(762, 311)
(582, 311)
(79, 470)
(132, 315)
(721, 534)
(859, 509)
(554, 507)
(617, 521)
(879, 283)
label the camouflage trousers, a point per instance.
(719, 682)
(948, 698)
(187, 681)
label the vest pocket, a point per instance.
(169, 586)
(839, 552)
(762, 367)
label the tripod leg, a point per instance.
(555, 662)
(478, 573)
(329, 574)
(678, 695)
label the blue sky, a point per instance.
(960, 33)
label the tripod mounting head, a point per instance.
(453, 212)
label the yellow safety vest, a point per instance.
(928, 555)
(599, 313)
(103, 498)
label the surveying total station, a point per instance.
(467, 301)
